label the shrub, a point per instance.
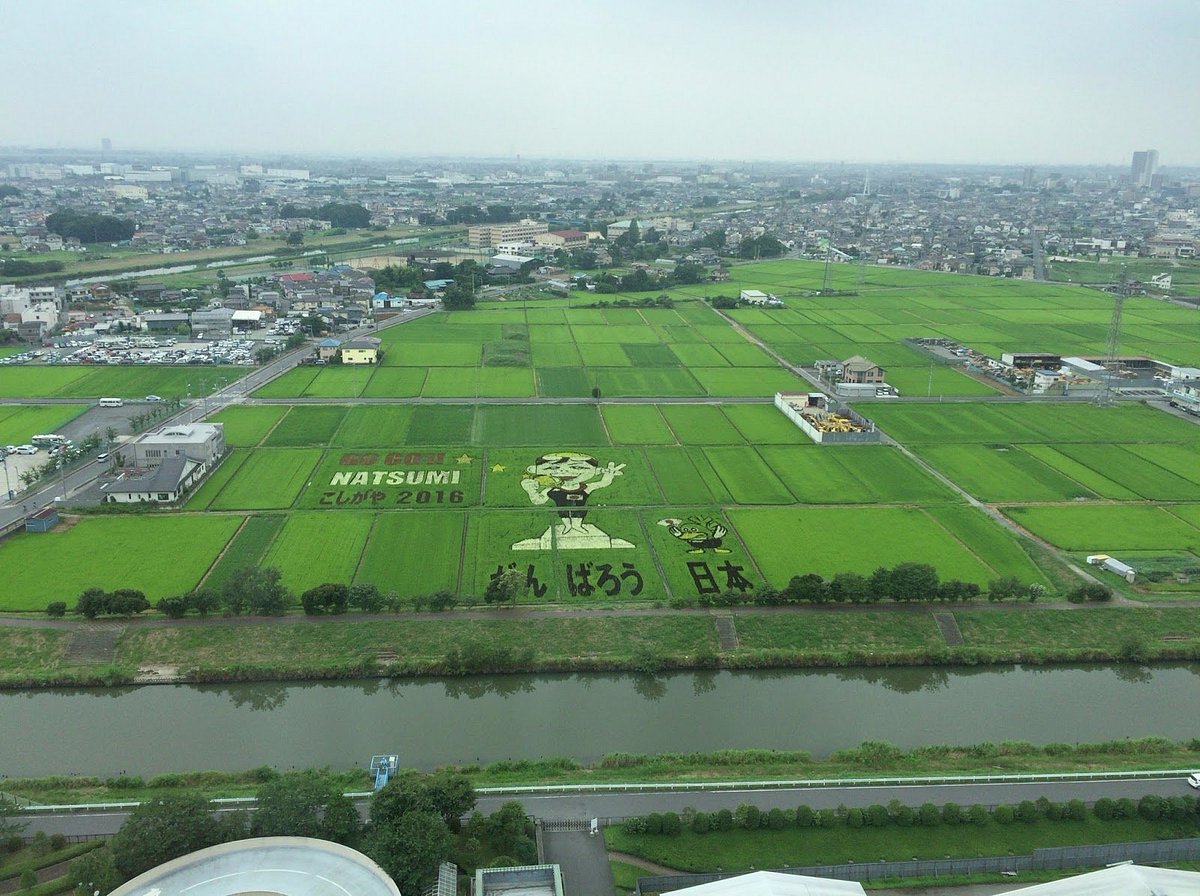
(855, 818)
(776, 820)
(952, 814)
(172, 607)
(805, 817)
(1151, 807)
(928, 816)
(58, 841)
(702, 823)
(978, 815)
(1105, 809)
(654, 823)
(905, 817)
(671, 825)
(1077, 810)
(878, 816)
(28, 879)
(1027, 811)
(826, 818)
(634, 825)
(748, 817)
(56, 609)
(723, 820)
(1126, 808)
(1004, 814)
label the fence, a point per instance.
(1052, 858)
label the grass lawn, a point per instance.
(742, 850)
(157, 554)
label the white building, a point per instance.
(203, 443)
(773, 883)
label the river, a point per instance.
(428, 722)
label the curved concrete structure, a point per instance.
(266, 866)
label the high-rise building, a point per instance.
(1145, 165)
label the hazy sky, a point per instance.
(1003, 81)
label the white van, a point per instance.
(1194, 780)
(26, 449)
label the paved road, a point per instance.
(625, 803)
(98, 419)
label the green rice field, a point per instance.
(689, 481)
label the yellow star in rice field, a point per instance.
(464, 458)
(497, 468)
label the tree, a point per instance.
(914, 581)
(329, 598)
(456, 298)
(849, 586)
(163, 829)
(203, 601)
(174, 607)
(409, 849)
(256, 590)
(295, 238)
(366, 597)
(1004, 588)
(9, 810)
(92, 603)
(505, 587)
(810, 588)
(90, 228)
(305, 804)
(127, 602)
(56, 609)
(95, 872)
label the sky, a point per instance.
(1013, 82)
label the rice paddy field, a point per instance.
(692, 483)
(51, 381)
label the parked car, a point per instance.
(1194, 780)
(26, 449)
(153, 398)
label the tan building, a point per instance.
(480, 236)
(563, 239)
(861, 370)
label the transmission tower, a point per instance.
(1112, 363)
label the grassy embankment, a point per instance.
(742, 850)
(458, 644)
(870, 760)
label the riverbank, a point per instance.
(38, 653)
(872, 760)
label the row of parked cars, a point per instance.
(226, 351)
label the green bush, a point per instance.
(952, 814)
(928, 816)
(978, 815)
(56, 609)
(878, 816)
(723, 820)
(1076, 810)
(1027, 811)
(671, 825)
(804, 817)
(776, 820)
(1004, 814)
(702, 823)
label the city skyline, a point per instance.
(932, 82)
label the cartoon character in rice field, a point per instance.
(567, 479)
(702, 533)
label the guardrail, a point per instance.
(684, 786)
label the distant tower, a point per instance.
(1144, 167)
(1112, 363)
(105, 145)
(867, 184)
(1027, 179)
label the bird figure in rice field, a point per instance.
(702, 533)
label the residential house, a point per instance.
(364, 350)
(861, 370)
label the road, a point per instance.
(98, 419)
(105, 822)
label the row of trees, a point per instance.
(339, 214)
(89, 228)
(903, 583)
(895, 813)
(414, 824)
